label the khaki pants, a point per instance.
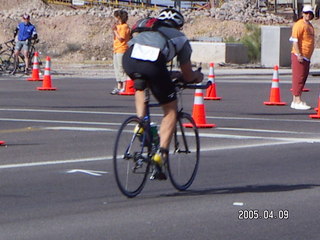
(118, 69)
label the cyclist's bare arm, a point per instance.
(189, 75)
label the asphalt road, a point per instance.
(258, 177)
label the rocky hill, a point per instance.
(82, 34)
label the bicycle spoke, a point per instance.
(184, 154)
(131, 164)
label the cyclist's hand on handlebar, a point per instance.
(176, 76)
(198, 76)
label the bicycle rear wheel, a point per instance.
(184, 154)
(130, 157)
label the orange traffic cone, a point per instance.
(275, 90)
(198, 112)
(47, 77)
(317, 109)
(211, 91)
(129, 88)
(35, 69)
(2, 143)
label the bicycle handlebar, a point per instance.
(33, 41)
(10, 41)
(179, 82)
(198, 85)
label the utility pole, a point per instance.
(177, 4)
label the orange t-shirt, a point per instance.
(304, 33)
(124, 32)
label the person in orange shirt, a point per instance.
(302, 39)
(121, 36)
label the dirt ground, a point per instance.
(84, 38)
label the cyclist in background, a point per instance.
(147, 58)
(26, 32)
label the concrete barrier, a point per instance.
(217, 52)
(275, 46)
(315, 59)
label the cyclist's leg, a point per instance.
(17, 50)
(139, 103)
(16, 54)
(15, 60)
(166, 130)
(164, 91)
(136, 69)
(168, 123)
(25, 52)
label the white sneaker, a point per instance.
(301, 106)
(115, 91)
(293, 105)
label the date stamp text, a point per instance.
(255, 214)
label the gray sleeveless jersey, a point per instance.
(170, 41)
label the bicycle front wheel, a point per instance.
(8, 62)
(184, 154)
(130, 157)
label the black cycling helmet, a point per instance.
(172, 17)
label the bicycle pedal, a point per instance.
(158, 175)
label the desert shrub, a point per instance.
(230, 39)
(252, 40)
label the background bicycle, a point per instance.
(137, 142)
(7, 56)
(8, 63)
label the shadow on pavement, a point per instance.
(245, 189)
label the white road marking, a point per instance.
(267, 141)
(252, 145)
(107, 158)
(259, 130)
(89, 172)
(132, 113)
(63, 111)
(58, 121)
(238, 204)
(54, 162)
(293, 140)
(88, 129)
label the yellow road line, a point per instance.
(27, 129)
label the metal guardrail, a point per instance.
(115, 3)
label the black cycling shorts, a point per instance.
(155, 74)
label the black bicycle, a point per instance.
(136, 144)
(7, 56)
(8, 62)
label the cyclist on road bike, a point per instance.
(146, 63)
(26, 32)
